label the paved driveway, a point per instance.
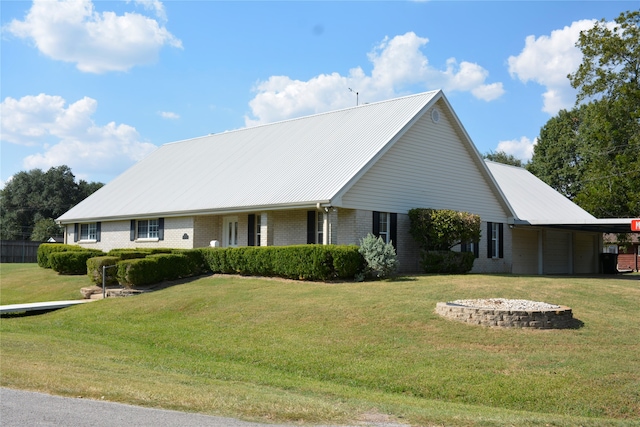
(26, 408)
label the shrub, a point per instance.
(447, 262)
(46, 249)
(72, 262)
(303, 262)
(442, 229)
(348, 262)
(196, 260)
(152, 269)
(94, 269)
(380, 257)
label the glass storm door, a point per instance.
(230, 231)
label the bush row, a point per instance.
(301, 262)
(45, 251)
(142, 267)
(132, 271)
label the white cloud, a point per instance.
(522, 148)
(547, 60)
(71, 31)
(154, 5)
(68, 135)
(169, 115)
(398, 63)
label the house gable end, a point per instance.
(430, 165)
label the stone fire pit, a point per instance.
(507, 313)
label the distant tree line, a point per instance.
(31, 201)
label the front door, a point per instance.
(230, 231)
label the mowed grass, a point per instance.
(298, 352)
(23, 283)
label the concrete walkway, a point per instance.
(40, 306)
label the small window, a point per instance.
(320, 228)
(258, 227)
(384, 226)
(494, 240)
(148, 229)
(88, 231)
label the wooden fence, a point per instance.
(18, 251)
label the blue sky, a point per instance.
(99, 85)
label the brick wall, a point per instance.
(116, 234)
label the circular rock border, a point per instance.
(507, 313)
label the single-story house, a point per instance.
(332, 178)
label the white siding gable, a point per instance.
(432, 165)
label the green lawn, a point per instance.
(283, 351)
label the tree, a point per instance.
(44, 229)
(558, 155)
(590, 154)
(502, 157)
(36, 195)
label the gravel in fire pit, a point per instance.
(506, 304)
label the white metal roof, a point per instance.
(532, 200)
(298, 162)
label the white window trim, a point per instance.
(147, 238)
(385, 218)
(88, 239)
(495, 241)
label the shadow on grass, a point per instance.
(575, 324)
(19, 314)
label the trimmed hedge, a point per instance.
(153, 269)
(46, 249)
(301, 262)
(72, 262)
(447, 262)
(94, 269)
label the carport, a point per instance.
(566, 247)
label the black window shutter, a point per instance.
(251, 233)
(132, 230)
(311, 227)
(393, 229)
(500, 241)
(76, 229)
(476, 249)
(376, 224)
(98, 230)
(160, 228)
(463, 247)
(489, 238)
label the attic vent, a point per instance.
(435, 115)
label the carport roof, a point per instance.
(535, 203)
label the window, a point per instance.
(88, 231)
(495, 240)
(147, 229)
(470, 247)
(254, 233)
(258, 227)
(320, 228)
(315, 227)
(385, 225)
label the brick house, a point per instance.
(332, 178)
